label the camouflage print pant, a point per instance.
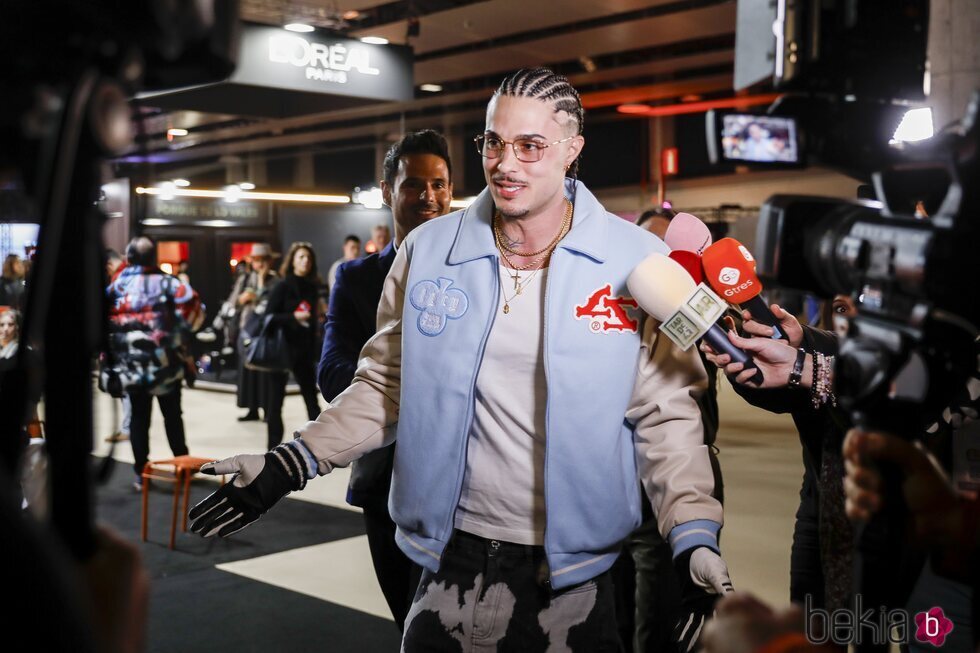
(493, 596)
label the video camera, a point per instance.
(849, 69)
(66, 88)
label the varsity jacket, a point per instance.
(621, 399)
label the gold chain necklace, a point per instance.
(544, 253)
(564, 222)
(518, 291)
(536, 262)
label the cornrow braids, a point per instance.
(545, 85)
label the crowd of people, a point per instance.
(490, 475)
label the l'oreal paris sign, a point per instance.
(271, 57)
(329, 63)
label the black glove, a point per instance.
(260, 481)
(703, 577)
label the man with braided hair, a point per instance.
(530, 398)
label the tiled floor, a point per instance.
(760, 460)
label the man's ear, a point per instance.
(385, 193)
(575, 147)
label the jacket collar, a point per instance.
(474, 238)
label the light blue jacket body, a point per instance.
(592, 346)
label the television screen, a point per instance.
(762, 139)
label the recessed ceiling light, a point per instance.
(176, 131)
(351, 14)
(374, 40)
(246, 185)
(431, 88)
(181, 183)
(298, 27)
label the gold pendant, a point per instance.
(506, 308)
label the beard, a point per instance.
(513, 213)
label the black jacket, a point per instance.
(351, 321)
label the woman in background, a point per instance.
(292, 303)
(250, 295)
(9, 337)
(12, 282)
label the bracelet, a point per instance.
(786, 643)
(821, 391)
(794, 376)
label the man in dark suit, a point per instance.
(417, 185)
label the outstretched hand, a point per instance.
(260, 481)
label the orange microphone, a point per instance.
(730, 271)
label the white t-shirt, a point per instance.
(503, 487)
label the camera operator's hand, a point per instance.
(775, 358)
(703, 577)
(744, 624)
(941, 522)
(787, 322)
(260, 481)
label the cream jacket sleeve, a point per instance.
(363, 417)
(671, 455)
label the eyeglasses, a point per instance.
(527, 150)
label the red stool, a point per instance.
(178, 471)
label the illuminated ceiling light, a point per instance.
(176, 131)
(632, 108)
(430, 88)
(916, 125)
(374, 40)
(233, 193)
(181, 183)
(371, 198)
(298, 27)
(246, 185)
(351, 14)
(233, 262)
(167, 190)
(462, 203)
(250, 195)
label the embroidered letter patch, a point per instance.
(438, 303)
(607, 313)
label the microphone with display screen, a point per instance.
(730, 269)
(687, 233)
(687, 311)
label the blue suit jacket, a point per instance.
(351, 321)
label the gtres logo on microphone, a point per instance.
(858, 625)
(730, 277)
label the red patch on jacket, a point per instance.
(607, 313)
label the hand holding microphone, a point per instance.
(787, 322)
(773, 358)
(688, 312)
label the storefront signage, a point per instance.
(318, 63)
(205, 212)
